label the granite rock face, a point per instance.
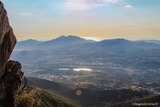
(7, 39)
(10, 71)
(10, 83)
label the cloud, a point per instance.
(70, 5)
(26, 14)
(111, 1)
(73, 5)
(81, 4)
(128, 6)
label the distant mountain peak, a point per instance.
(29, 40)
(62, 36)
(119, 39)
(66, 37)
(73, 36)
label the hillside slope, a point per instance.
(36, 97)
(88, 97)
(149, 101)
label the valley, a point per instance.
(111, 68)
(101, 74)
(93, 67)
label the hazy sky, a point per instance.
(101, 19)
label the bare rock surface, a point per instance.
(7, 39)
(10, 71)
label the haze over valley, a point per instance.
(107, 64)
(110, 58)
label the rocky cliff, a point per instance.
(10, 71)
(7, 39)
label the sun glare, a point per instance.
(91, 38)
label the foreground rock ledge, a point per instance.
(10, 83)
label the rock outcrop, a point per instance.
(10, 71)
(7, 39)
(10, 83)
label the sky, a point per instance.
(92, 19)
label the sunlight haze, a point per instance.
(100, 19)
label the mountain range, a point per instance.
(76, 44)
(29, 51)
(60, 42)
